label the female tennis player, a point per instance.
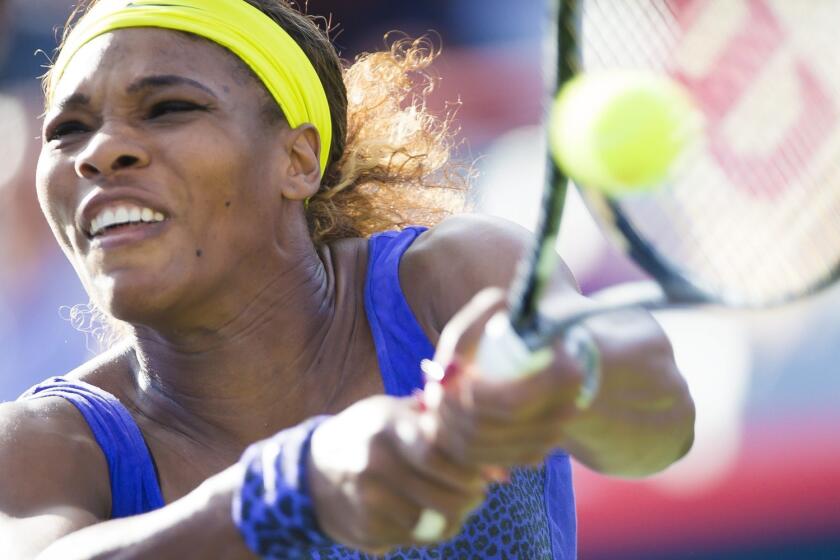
(237, 203)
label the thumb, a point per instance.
(459, 339)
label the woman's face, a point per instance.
(159, 175)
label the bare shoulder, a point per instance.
(459, 257)
(467, 240)
(55, 480)
(47, 447)
(48, 450)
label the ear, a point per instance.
(303, 171)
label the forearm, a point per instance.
(261, 503)
(643, 417)
(197, 526)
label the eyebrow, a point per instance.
(78, 100)
(166, 80)
(75, 100)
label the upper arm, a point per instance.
(453, 261)
(55, 478)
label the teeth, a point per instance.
(122, 215)
(108, 218)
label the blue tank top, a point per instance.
(134, 481)
(532, 517)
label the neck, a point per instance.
(273, 359)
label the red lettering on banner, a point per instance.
(734, 72)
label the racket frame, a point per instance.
(677, 288)
(534, 272)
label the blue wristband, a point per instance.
(273, 509)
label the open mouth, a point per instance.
(122, 219)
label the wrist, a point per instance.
(273, 508)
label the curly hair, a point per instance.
(390, 164)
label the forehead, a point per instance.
(120, 57)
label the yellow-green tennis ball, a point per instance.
(621, 132)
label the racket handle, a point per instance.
(503, 355)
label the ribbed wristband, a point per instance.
(273, 509)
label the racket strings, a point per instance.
(753, 212)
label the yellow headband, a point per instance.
(235, 24)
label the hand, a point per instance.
(499, 423)
(375, 467)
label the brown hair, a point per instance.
(390, 162)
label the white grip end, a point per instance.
(503, 355)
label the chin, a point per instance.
(133, 298)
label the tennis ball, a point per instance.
(621, 132)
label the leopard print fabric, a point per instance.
(279, 522)
(512, 524)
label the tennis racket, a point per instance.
(752, 217)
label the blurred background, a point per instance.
(763, 479)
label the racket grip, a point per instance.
(503, 355)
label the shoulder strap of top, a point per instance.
(400, 341)
(134, 484)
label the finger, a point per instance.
(501, 443)
(386, 517)
(426, 492)
(387, 502)
(447, 531)
(552, 389)
(374, 518)
(453, 514)
(549, 427)
(530, 451)
(415, 439)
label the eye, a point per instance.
(168, 107)
(67, 128)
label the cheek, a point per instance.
(230, 194)
(54, 200)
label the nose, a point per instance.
(110, 151)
